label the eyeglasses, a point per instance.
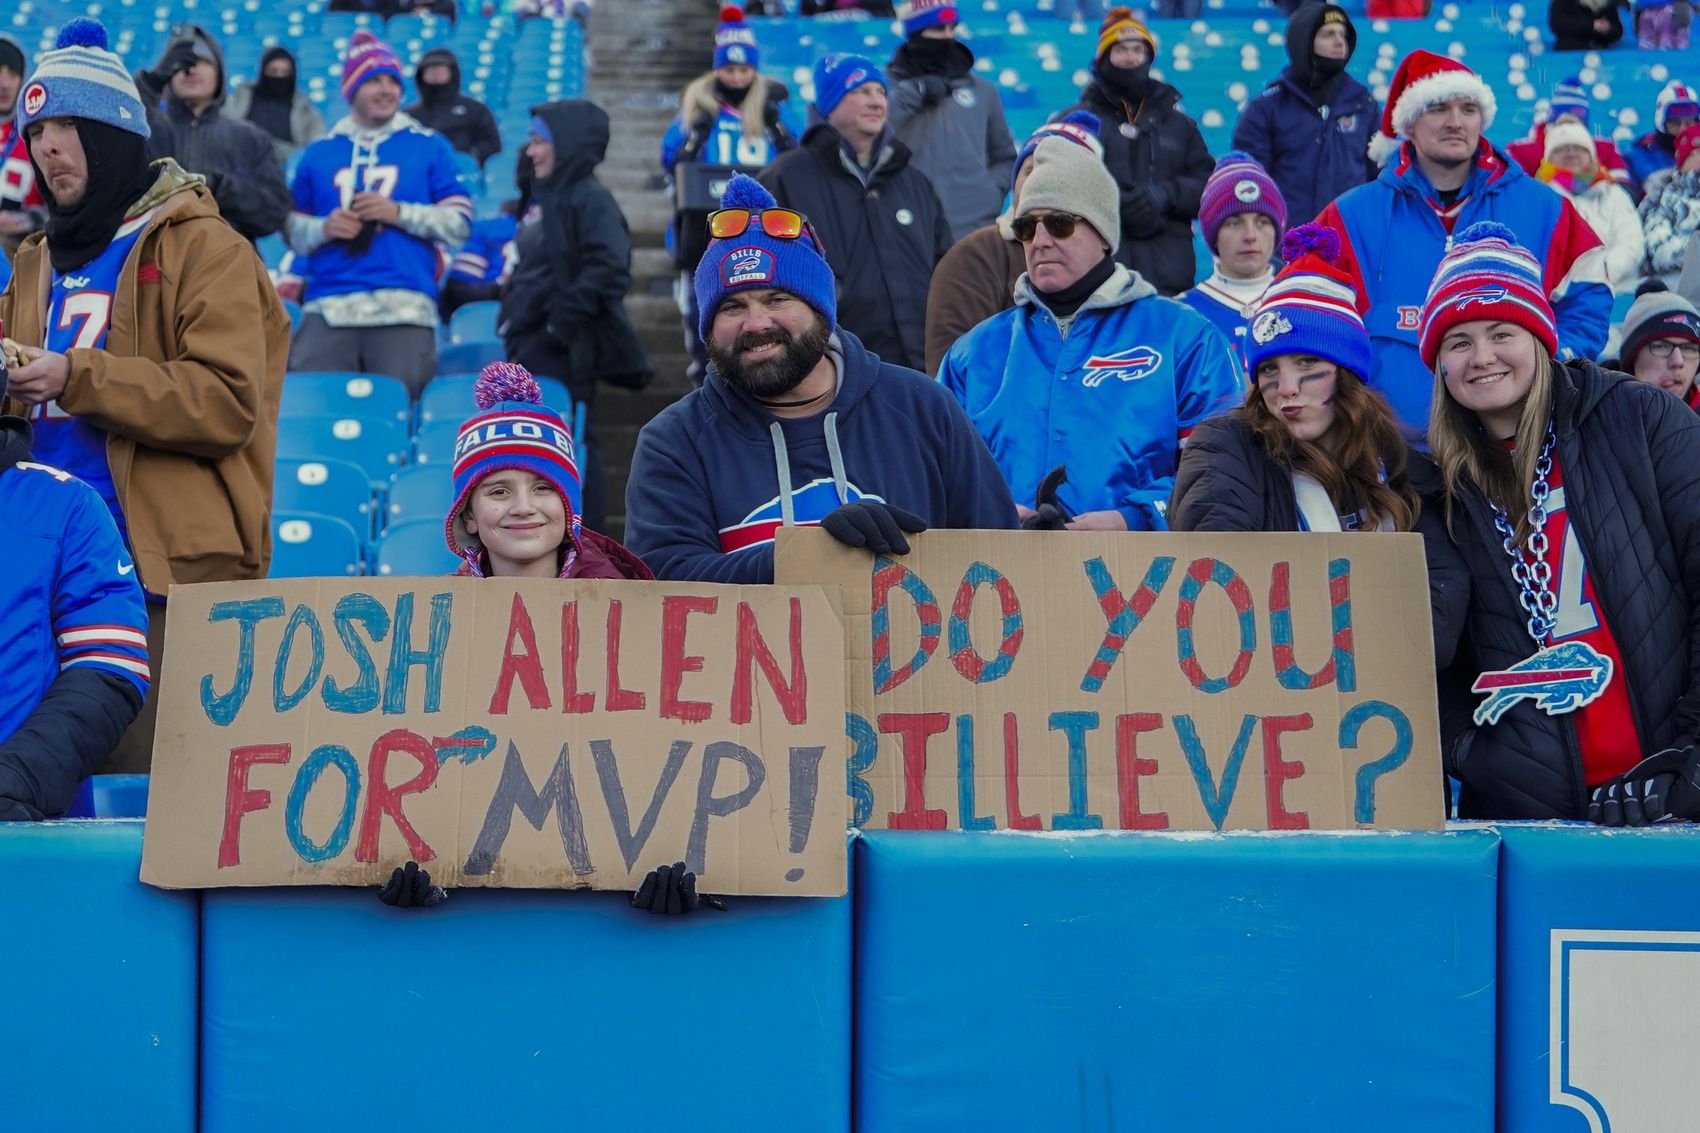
(781, 224)
(1662, 348)
(1059, 224)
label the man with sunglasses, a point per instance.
(1091, 370)
(880, 220)
(796, 422)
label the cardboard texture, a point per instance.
(1074, 681)
(502, 733)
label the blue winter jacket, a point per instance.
(715, 475)
(1313, 153)
(1392, 240)
(1647, 155)
(1113, 398)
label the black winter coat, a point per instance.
(1161, 175)
(236, 158)
(1630, 457)
(1227, 482)
(563, 310)
(882, 239)
(465, 122)
(1572, 24)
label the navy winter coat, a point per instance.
(1228, 482)
(1313, 153)
(1630, 457)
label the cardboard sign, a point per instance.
(1075, 681)
(531, 734)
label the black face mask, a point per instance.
(432, 93)
(278, 88)
(1132, 84)
(733, 95)
(925, 55)
(118, 176)
(1323, 68)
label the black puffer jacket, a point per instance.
(1161, 175)
(1227, 482)
(1630, 457)
(463, 120)
(883, 238)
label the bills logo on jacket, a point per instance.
(809, 505)
(1128, 365)
(746, 265)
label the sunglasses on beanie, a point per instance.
(1060, 225)
(781, 224)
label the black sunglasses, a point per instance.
(1059, 224)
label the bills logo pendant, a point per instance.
(1559, 680)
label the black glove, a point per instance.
(1665, 786)
(672, 891)
(871, 524)
(410, 887)
(1048, 514)
(179, 56)
(934, 88)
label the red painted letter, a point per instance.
(239, 800)
(675, 662)
(793, 697)
(1276, 771)
(1129, 769)
(572, 700)
(619, 699)
(382, 799)
(1012, 777)
(524, 665)
(914, 728)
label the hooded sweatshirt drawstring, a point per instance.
(782, 465)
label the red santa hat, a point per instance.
(1423, 79)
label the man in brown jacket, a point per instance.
(153, 345)
(976, 278)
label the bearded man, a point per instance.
(795, 423)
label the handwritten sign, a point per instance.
(523, 734)
(1070, 681)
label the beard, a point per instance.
(776, 376)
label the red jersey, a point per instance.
(1605, 729)
(18, 189)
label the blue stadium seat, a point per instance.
(293, 310)
(475, 322)
(329, 487)
(111, 796)
(434, 445)
(308, 545)
(378, 447)
(460, 357)
(469, 173)
(415, 548)
(368, 396)
(419, 492)
(448, 399)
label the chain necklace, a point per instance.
(1530, 569)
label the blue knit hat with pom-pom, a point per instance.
(512, 430)
(753, 260)
(1311, 307)
(1486, 276)
(81, 78)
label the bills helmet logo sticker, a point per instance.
(1246, 192)
(1128, 365)
(1559, 680)
(35, 97)
(1269, 325)
(746, 265)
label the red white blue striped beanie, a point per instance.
(1311, 307)
(80, 78)
(368, 57)
(1486, 276)
(513, 430)
(735, 40)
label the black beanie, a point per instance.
(12, 55)
(1657, 312)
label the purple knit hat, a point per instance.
(1239, 185)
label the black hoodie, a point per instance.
(465, 122)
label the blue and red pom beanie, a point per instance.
(1239, 184)
(367, 58)
(1486, 275)
(735, 40)
(838, 75)
(1311, 307)
(753, 260)
(81, 78)
(512, 430)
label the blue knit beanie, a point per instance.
(754, 260)
(918, 15)
(80, 78)
(838, 75)
(1569, 97)
(734, 40)
(1311, 307)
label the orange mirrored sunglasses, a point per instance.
(781, 224)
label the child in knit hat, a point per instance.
(1242, 218)
(515, 512)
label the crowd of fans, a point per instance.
(902, 319)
